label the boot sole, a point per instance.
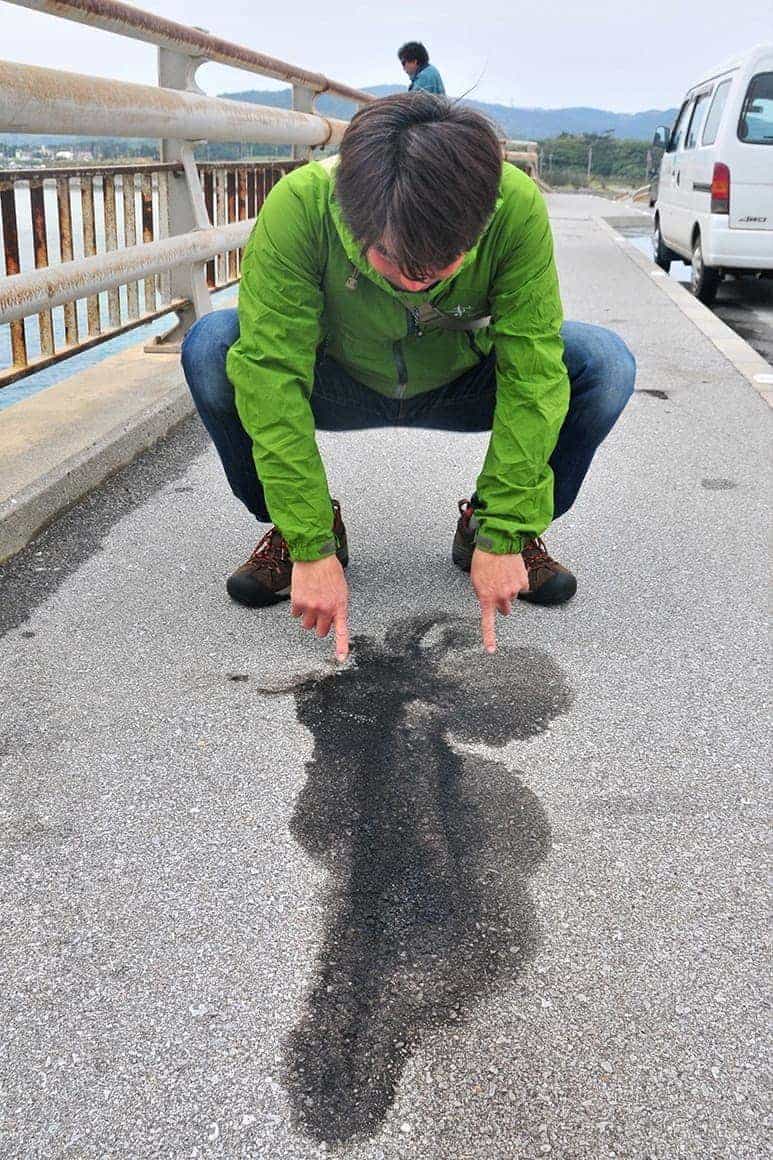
(556, 591)
(255, 598)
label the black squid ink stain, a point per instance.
(428, 853)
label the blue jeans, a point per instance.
(601, 372)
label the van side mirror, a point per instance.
(662, 134)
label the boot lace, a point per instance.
(271, 551)
(535, 553)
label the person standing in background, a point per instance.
(414, 58)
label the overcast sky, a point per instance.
(547, 53)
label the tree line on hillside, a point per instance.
(574, 158)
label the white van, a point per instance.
(714, 208)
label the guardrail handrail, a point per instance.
(47, 100)
(59, 284)
(42, 100)
(125, 19)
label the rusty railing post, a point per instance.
(187, 209)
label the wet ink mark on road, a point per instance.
(718, 484)
(653, 393)
(428, 853)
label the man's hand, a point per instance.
(319, 594)
(497, 580)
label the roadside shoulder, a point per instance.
(754, 368)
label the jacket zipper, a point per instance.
(402, 370)
(412, 316)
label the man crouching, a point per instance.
(410, 281)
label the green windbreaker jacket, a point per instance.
(306, 284)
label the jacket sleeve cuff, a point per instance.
(314, 549)
(498, 542)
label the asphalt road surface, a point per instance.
(437, 906)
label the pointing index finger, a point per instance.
(342, 635)
(488, 627)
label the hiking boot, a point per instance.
(265, 578)
(549, 581)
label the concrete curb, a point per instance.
(60, 444)
(754, 368)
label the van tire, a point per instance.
(661, 254)
(704, 280)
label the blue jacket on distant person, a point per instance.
(428, 78)
(414, 58)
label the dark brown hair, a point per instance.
(413, 50)
(422, 171)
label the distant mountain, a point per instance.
(531, 124)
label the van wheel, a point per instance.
(704, 280)
(661, 254)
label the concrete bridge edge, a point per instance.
(61, 444)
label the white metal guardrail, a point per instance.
(39, 100)
(45, 100)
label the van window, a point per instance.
(678, 129)
(715, 113)
(756, 124)
(699, 109)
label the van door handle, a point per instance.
(677, 177)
